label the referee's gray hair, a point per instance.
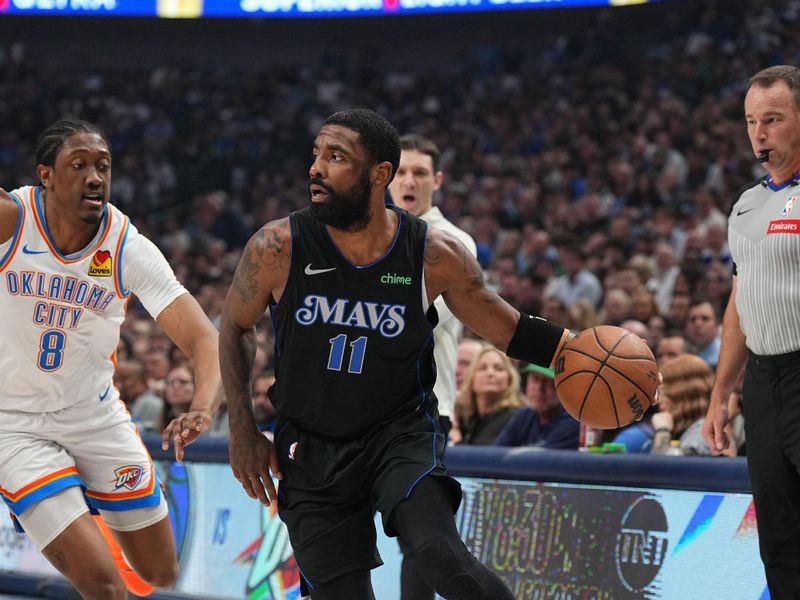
(788, 73)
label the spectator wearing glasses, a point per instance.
(178, 392)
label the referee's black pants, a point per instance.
(771, 398)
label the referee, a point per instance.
(761, 327)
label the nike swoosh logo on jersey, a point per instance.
(27, 250)
(741, 212)
(104, 394)
(310, 271)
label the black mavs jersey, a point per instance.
(353, 345)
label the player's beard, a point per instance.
(92, 219)
(347, 210)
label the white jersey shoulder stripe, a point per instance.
(37, 209)
(118, 250)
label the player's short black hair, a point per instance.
(377, 135)
(57, 133)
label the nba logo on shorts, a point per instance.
(128, 476)
(292, 449)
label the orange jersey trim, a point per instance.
(128, 495)
(41, 482)
(55, 251)
(117, 265)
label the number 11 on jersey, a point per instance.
(336, 357)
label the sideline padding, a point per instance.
(710, 474)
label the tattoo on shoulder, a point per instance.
(57, 558)
(265, 250)
(487, 296)
(472, 270)
(436, 251)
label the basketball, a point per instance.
(606, 377)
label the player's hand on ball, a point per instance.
(184, 429)
(657, 395)
(606, 377)
(252, 456)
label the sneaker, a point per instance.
(134, 583)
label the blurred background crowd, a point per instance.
(594, 156)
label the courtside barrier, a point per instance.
(713, 474)
(552, 524)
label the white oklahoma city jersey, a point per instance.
(60, 315)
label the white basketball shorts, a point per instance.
(91, 445)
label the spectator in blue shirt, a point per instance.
(638, 436)
(545, 423)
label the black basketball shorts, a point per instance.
(331, 489)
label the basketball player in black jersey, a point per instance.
(350, 284)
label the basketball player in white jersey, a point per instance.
(69, 262)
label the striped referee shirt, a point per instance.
(764, 238)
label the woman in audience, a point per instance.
(490, 396)
(683, 403)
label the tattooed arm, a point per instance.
(450, 270)
(260, 279)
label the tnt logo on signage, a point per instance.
(101, 264)
(641, 543)
(128, 476)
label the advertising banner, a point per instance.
(547, 541)
(279, 8)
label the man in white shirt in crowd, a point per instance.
(418, 177)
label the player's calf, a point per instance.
(456, 574)
(145, 536)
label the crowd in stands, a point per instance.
(594, 169)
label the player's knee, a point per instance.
(102, 587)
(160, 575)
(451, 569)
